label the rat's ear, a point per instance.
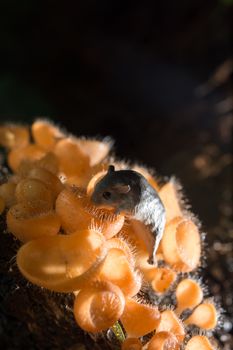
(111, 169)
(122, 189)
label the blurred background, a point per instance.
(154, 75)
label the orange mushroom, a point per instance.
(129, 233)
(27, 223)
(46, 134)
(96, 150)
(199, 342)
(33, 191)
(105, 273)
(162, 279)
(72, 161)
(150, 178)
(49, 162)
(163, 341)
(52, 182)
(137, 236)
(118, 270)
(139, 319)
(169, 322)
(188, 295)
(181, 244)
(120, 243)
(131, 344)
(144, 235)
(204, 316)
(63, 263)
(169, 197)
(30, 152)
(13, 135)
(77, 212)
(98, 307)
(7, 192)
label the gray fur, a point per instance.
(129, 192)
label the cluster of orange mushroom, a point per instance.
(69, 245)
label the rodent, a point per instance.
(128, 192)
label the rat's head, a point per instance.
(115, 190)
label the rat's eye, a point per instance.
(107, 195)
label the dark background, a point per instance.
(156, 76)
(129, 69)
